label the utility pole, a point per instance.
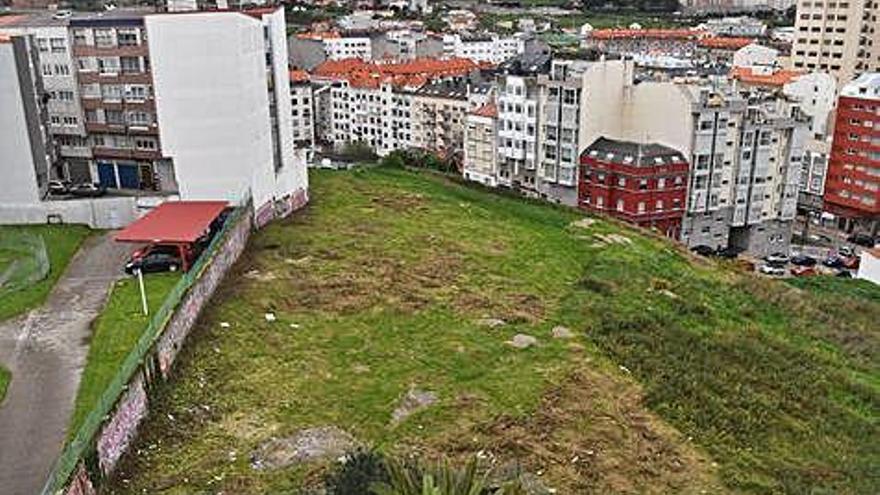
(140, 276)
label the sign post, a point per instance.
(140, 276)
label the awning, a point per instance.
(173, 222)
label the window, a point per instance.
(114, 117)
(103, 37)
(661, 183)
(641, 206)
(111, 92)
(145, 144)
(620, 205)
(108, 65)
(130, 64)
(659, 205)
(643, 184)
(62, 70)
(135, 92)
(58, 45)
(127, 37)
(70, 120)
(621, 181)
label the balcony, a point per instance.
(110, 51)
(126, 154)
(146, 130)
(86, 77)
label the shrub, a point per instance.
(361, 469)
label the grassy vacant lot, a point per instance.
(683, 376)
(114, 334)
(62, 242)
(5, 378)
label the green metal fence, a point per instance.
(85, 437)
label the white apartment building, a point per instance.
(841, 37)
(561, 110)
(58, 74)
(480, 144)
(756, 56)
(814, 168)
(747, 27)
(302, 111)
(375, 113)
(347, 47)
(224, 113)
(816, 94)
(23, 141)
(483, 48)
(517, 154)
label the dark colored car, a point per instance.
(88, 190)
(862, 239)
(833, 261)
(728, 253)
(803, 260)
(703, 250)
(154, 262)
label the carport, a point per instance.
(179, 223)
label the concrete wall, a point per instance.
(99, 213)
(869, 266)
(16, 157)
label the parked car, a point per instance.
(154, 262)
(771, 270)
(59, 187)
(88, 190)
(862, 239)
(728, 253)
(803, 271)
(846, 251)
(843, 274)
(833, 261)
(703, 250)
(803, 260)
(776, 259)
(189, 253)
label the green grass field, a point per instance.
(5, 378)
(62, 242)
(684, 376)
(114, 334)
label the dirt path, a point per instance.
(45, 350)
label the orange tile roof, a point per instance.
(6, 20)
(778, 78)
(299, 76)
(319, 35)
(725, 43)
(487, 110)
(608, 34)
(413, 73)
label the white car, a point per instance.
(771, 270)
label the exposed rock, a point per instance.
(305, 446)
(583, 223)
(668, 293)
(491, 322)
(522, 341)
(415, 400)
(269, 316)
(561, 332)
(360, 369)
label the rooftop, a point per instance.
(865, 86)
(487, 110)
(778, 78)
(173, 222)
(725, 43)
(609, 34)
(632, 153)
(414, 73)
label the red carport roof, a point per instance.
(173, 221)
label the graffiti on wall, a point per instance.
(199, 294)
(119, 431)
(80, 484)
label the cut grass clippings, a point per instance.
(114, 334)
(62, 242)
(683, 376)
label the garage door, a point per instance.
(128, 177)
(107, 175)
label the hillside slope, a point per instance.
(681, 375)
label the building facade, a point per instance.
(842, 38)
(480, 145)
(483, 48)
(643, 184)
(852, 187)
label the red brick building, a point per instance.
(644, 184)
(852, 185)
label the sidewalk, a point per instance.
(45, 350)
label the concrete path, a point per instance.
(45, 350)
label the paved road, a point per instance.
(45, 350)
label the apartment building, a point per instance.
(195, 105)
(480, 144)
(483, 47)
(58, 75)
(439, 113)
(640, 183)
(560, 113)
(373, 103)
(840, 37)
(302, 110)
(852, 187)
(25, 141)
(518, 106)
